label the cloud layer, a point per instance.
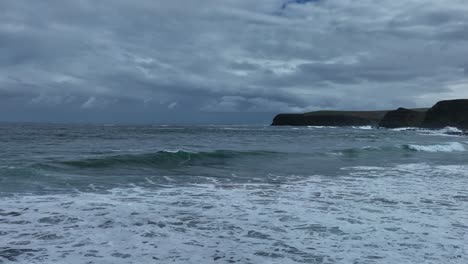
(231, 61)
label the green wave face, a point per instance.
(162, 159)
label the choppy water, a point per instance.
(161, 194)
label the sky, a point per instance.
(225, 61)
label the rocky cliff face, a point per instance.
(321, 120)
(289, 120)
(330, 118)
(403, 117)
(452, 113)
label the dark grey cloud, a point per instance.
(231, 61)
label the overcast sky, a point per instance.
(226, 61)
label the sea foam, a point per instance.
(449, 147)
(317, 220)
(363, 127)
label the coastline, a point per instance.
(449, 113)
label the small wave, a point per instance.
(363, 127)
(450, 147)
(365, 168)
(446, 131)
(449, 130)
(162, 159)
(371, 148)
(356, 151)
(405, 129)
(321, 127)
(374, 150)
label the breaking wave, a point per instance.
(449, 147)
(363, 127)
(446, 131)
(372, 150)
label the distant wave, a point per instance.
(451, 131)
(363, 127)
(449, 147)
(162, 159)
(350, 152)
(352, 127)
(405, 129)
(321, 127)
(366, 150)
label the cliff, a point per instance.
(403, 117)
(452, 113)
(330, 118)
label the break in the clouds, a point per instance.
(230, 61)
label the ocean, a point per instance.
(232, 194)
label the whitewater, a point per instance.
(232, 194)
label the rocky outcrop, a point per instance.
(403, 117)
(289, 120)
(453, 113)
(330, 118)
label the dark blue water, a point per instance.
(231, 194)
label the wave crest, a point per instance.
(451, 131)
(374, 150)
(450, 147)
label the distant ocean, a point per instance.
(232, 194)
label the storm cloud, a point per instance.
(230, 61)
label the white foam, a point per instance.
(8, 167)
(148, 180)
(395, 217)
(413, 170)
(416, 167)
(453, 169)
(363, 127)
(450, 130)
(365, 168)
(405, 129)
(174, 151)
(320, 127)
(449, 147)
(370, 148)
(447, 131)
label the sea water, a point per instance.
(231, 194)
